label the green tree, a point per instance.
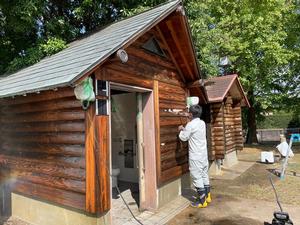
(261, 39)
(27, 25)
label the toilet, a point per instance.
(115, 173)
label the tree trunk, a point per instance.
(251, 121)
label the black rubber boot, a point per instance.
(207, 193)
(201, 200)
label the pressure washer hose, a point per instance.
(277, 199)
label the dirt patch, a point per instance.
(232, 220)
(236, 220)
(233, 211)
(249, 199)
(255, 184)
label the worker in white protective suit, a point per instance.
(195, 133)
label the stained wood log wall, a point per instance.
(229, 126)
(226, 128)
(43, 137)
(42, 143)
(237, 113)
(145, 69)
(217, 131)
(97, 162)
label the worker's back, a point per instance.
(195, 134)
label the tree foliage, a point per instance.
(27, 26)
(261, 39)
(36, 53)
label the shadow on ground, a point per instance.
(231, 220)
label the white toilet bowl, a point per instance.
(115, 173)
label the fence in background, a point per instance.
(273, 135)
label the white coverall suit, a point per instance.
(195, 133)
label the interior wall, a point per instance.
(123, 127)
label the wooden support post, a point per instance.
(90, 202)
(102, 163)
(157, 130)
(97, 162)
(140, 148)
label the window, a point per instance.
(153, 46)
(129, 153)
(101, 88)
(101, 97)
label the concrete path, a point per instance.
(230, 173)
(163, 215)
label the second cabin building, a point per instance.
(226, 98)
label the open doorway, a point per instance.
(123, 143)
(132, 141)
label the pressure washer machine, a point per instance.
(280, 217)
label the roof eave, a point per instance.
(193, 46)
(31, 91)
(243, 93)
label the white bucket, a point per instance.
(267, 157)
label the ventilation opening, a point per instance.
(153, 46)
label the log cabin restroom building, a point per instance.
(62, 158)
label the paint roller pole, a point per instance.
(140, 148)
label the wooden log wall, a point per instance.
(229, 123)
(97, 162)
(145, 69)
(173, 152)
(226, 128)
(237, 113)
(42, 146)
(217, 131)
